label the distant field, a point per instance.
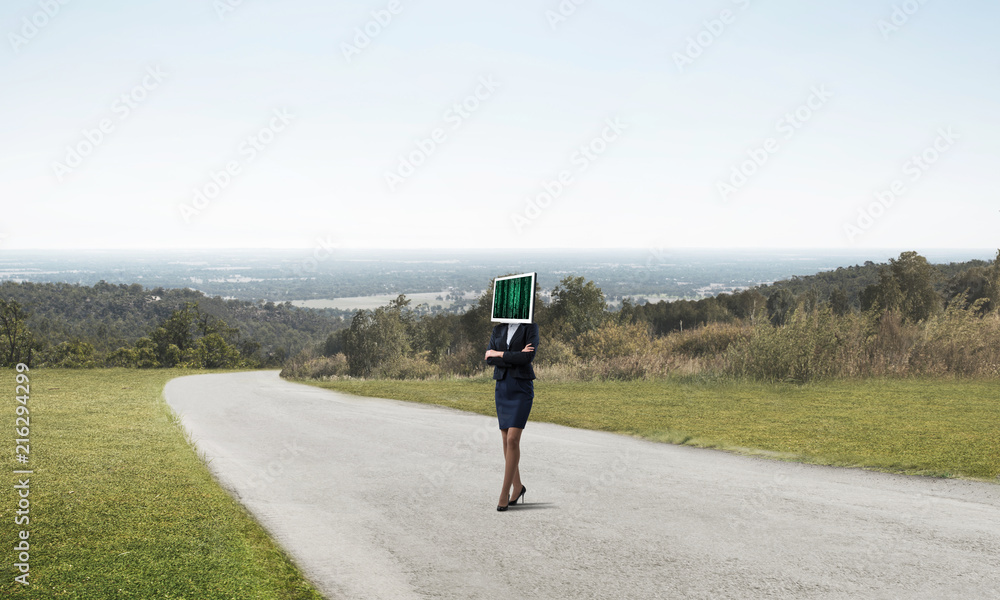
(944, 428)
(122, 507)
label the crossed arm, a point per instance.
(499, 358)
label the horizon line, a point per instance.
(510, 249)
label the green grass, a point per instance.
(121, 505)
(934, 427)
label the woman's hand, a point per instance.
(499, 354)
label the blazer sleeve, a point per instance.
(524, 358)
(495, 345)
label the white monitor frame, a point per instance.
(531, 305)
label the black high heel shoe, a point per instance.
(519, 497)
(501, 508)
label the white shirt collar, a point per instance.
(511, 330)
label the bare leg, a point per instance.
(515, 487)
(512, 456)
(504, 495)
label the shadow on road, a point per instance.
(533, 505)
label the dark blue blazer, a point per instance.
(515, 363)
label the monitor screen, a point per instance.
(514, 299)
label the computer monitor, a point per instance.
(514, 299)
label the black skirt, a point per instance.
(513, 399)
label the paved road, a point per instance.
(385, 499)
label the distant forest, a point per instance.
(76, 325)
(71, 325)
(843, 289)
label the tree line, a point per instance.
(128, 325)
(907, 297)
(71, 325)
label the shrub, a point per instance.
(210, 352)
(466, 360)
(303, 366)
(960, 342)
(141, 356)
(73, 355)
(811, 346)
(553, 352)
(713, 339)
(621, 368)
(614, 340)
(411, 367)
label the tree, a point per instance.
(577, 307)
(476, 324)
(993, 284)
(175, 335)
(73, 354)
(749, 306)
(884, 296)
(907, 287)
(376, 340)
(437, 334)
(780, 306)
(407, 316)
(334, 343)
(16, 341)
(211, 352)
(809, 301)
(627, 313)
(839, 303)
(977, 283)
(141, 356)
(189, 338)
(916, 281)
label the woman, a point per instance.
(512, 348)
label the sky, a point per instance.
(544, 124)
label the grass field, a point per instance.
(121, 506)
(942, 428)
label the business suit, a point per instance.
(514, 394)
(513, 373)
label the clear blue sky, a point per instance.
(688, 116)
